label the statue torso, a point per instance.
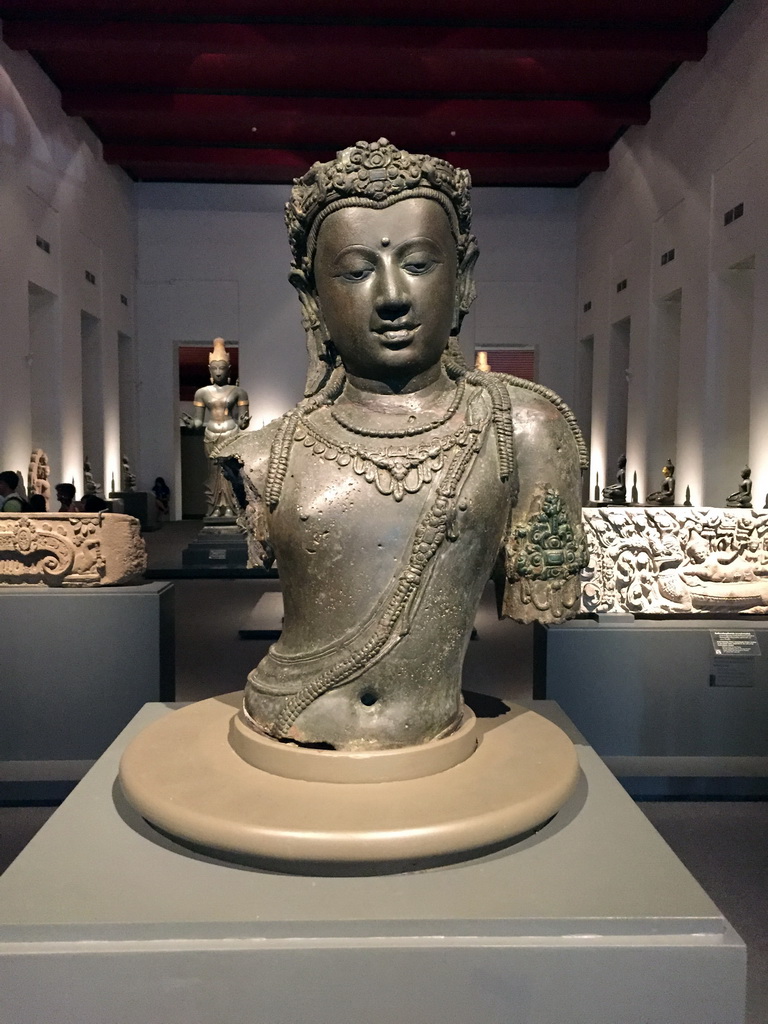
(346, 530)
(220, 401)
(384, 546)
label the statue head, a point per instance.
(218, 362)
(358, 194)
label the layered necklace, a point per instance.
(394, 469)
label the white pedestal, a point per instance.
(593, 920)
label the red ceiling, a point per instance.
(532, 92)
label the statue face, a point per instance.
(219, 371)
(385, 285)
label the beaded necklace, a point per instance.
(409, 431)
(393, 469)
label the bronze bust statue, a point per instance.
(404, 479)
(227, 408)
(389, 495)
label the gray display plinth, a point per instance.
(142, 505)
(678, 706)
(77, 664)
(220, 543)
(593, 920)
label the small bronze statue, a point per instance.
(404, 479)
(617, 493)
(227, 406)
(743, 497)
(666, 496)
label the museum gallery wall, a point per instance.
(67, 262)
(680, 221)
(666, 353)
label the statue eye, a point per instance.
(418, 264)
(359, 272)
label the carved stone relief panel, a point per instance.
(70, 550)
(676, 561)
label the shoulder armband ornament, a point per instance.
(549, 547)
(543, 560)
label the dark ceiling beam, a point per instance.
(496, 74)
(693, 12)
(354, 41)
(278, 166)
(309, 122)
(242, 109)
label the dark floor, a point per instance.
(723, 843)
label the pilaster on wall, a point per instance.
(682, 216)
(758, 377)
(63, 213)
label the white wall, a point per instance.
(698, 393)
(213, 260)
(53, 183)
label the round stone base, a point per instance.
(184, 775)
(348, 767)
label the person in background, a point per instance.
(10, 499)
(65, 495)
(37, 503)
(162, 493)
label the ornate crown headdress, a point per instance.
(374, 174)
(219, 353)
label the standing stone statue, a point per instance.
(743, 497)
(403, 480)
(227, 407)
(38, 474)
(666, 496)
(617, 493)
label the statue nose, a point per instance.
(391, 295)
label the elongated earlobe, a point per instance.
(319, 348)
(465, 285)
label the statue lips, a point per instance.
(396, 336)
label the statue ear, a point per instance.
(318, 341)
(465, 283)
